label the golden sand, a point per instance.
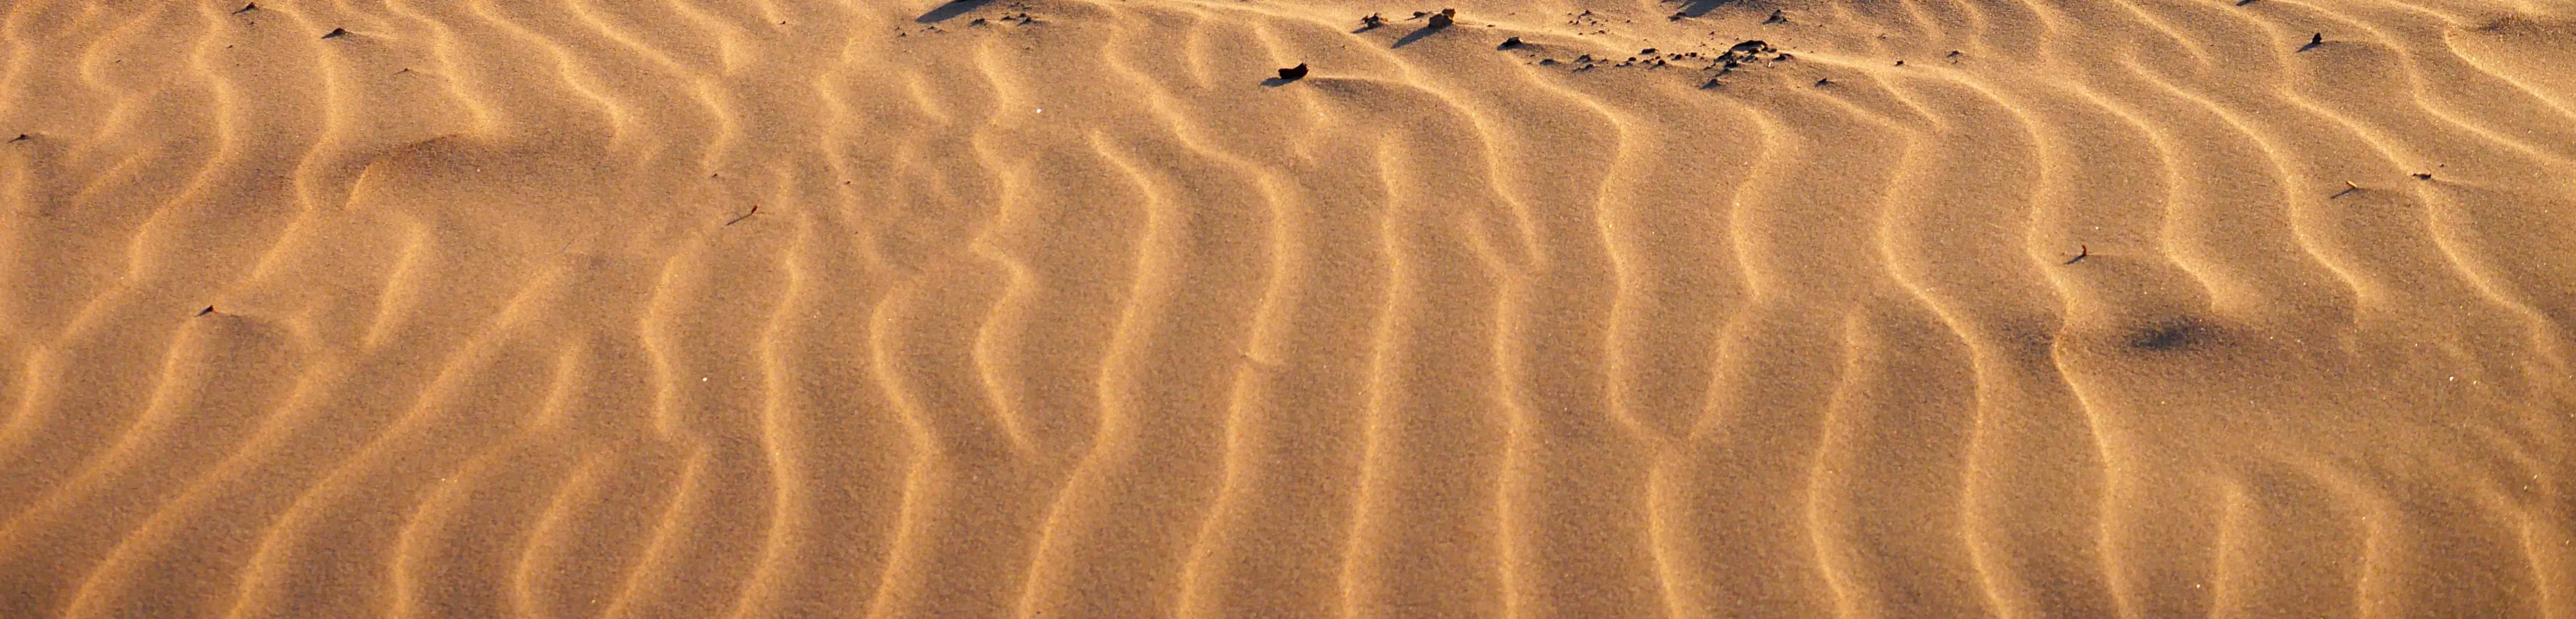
(1076, 308)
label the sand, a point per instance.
(1073, 308)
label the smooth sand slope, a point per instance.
(1064, 308)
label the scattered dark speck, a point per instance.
(246, 8)
(336, 33)
(209, 310)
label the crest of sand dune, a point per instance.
(1085, 308)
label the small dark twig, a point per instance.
(336, 33)
(246, 8)
(2080, 252)
(755, 210)
(209, 310)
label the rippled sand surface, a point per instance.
(1070, 308)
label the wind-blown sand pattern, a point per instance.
(1055, 308)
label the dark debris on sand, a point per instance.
(1713, 66)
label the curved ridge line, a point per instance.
(577, 81)
(911, 509)
(2409, 69)
(443, 48)
(121, 104)
(1982, 358)
(1021, 279)
(1829, 564)
(2290, 201)
(2172, 185)
(1115, 415)
(404, 585)
(1755, 291)
(787, 491)
(13, 427)
(156, 403)
(2379, 512)
(652, 332)
(727, 54)
(297, 398)
(2050, 175)
(550, 520)
(1511, 365)
(1267, 315)
(1729, 335)
(307, 197)
(2388, 157)
(2107, 553)
(2539, 324)
(1382, 346)
(2535, 94)
(477, 348)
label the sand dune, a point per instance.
(1072, 308)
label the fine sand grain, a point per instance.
(1084, 308)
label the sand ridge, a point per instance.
(1077, 308)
